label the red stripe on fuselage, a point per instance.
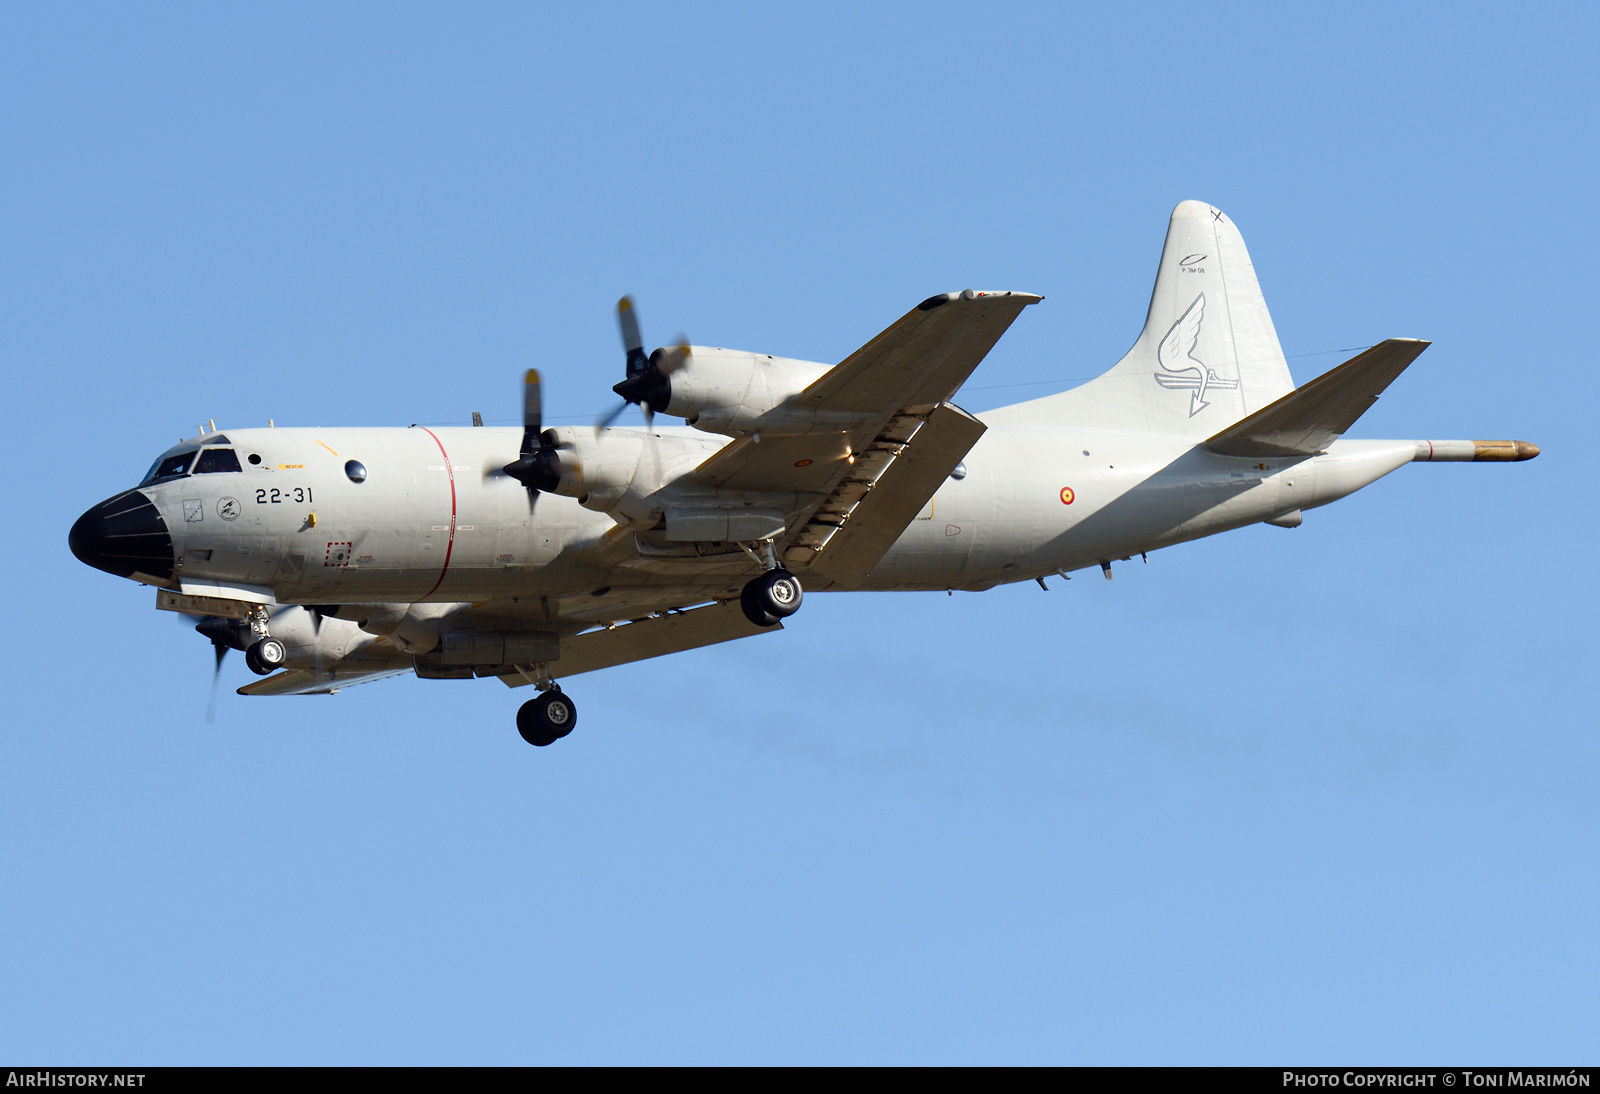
(450, 544)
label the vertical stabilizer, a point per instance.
(1208, 355)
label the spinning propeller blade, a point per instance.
(648, 380)
(532, 411)
(632, 340)
(216, 678)
(224, 635)
(539, 468)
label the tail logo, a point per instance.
(1178, 347)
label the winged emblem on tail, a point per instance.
(1177, 348)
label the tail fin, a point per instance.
(1208, 355)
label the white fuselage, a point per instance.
(434, 519)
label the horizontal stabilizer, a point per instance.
(1311, 417)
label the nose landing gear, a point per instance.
(265, 657)
(266, 654)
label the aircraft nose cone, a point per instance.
(124, 535)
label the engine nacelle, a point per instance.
(595, 470)
(731, 392)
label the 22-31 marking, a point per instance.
(272, 497)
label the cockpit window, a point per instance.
(172, 467)
(217, 459)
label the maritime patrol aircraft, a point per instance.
(334, 556)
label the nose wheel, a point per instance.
(266, 654)
(773, 596)
(546, 719)
(265, 657)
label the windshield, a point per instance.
(217, 459)
(169, 467)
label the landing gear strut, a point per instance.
(546, 719)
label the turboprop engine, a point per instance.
(567, 462)
(728, 392)
(604, 469)
(718, 390)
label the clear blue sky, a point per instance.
(1320, 795)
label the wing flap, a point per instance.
(847, 535)
(673, 632)
(1311, 417)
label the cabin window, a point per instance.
(213, 460)
(356, 471)
(170, 467)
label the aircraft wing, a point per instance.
(300, 682)
(670, 632)
(1315, 414)
(913, 366)
(887, 435)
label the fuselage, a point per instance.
(420, 514)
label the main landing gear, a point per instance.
(546, 719)
(773, 596)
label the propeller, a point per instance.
(648, 384)
(539, 466)
(216, 679)
(316, 612)
(224, 635)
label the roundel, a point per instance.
(1067, 495)
(802, 463)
